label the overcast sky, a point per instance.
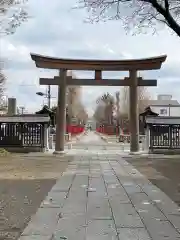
(56, 29)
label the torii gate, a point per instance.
(132, 66)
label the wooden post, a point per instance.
(133, 112)
(98, 75)
(61, 113)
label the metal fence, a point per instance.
(164, 136)
(67, 137)
(127, 138)
(21, 135)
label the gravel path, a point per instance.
(25, 180)
(19, 200)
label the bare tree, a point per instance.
(99, 114)
(143, 98)
(82, 115)
(73, 99)
(2, 86)
(75, 110)
(2, 80)
(105, 108)
(136, 14)
(12, 14)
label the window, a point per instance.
(163, 111)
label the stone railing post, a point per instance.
(46, 137)
(51, 140)
(147, 133)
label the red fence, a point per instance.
(109, 130)
(74, 129)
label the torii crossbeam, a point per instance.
(133, 66)
(90, 82)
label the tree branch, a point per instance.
(167, 15)
(136, 14)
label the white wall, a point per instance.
(169, 111)
(164, 97)
(92, 123)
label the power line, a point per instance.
(24, 85)
(28, 85)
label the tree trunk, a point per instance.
(172, 23)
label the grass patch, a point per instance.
(4, 152)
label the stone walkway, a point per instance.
(102, 197)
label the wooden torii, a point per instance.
(132, 66)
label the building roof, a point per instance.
(27, 118)
(163, 120)
(45, 110)
(163, 102)
(148, 112)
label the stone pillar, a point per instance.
(61, 114)
(12, 106)
(147, 132)
(51, 141)
(133, 112)
(46, 140)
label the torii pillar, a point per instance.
(61, 114)
(133, 111)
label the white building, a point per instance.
(92, 123)
(164, 105)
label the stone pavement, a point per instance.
(102, 197)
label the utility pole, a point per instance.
(118, 106)
(118, 110)
(169, 110)
(49, 96)
(22, 110)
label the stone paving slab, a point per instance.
(43, 223)
(102, 197)
(64, 184)
(71, 227)
(125, 215)
(36, 237)
(146, 208)
(54, 200)
(161, 230)
(101, 230)
(99, 210)
(158, 204)
(133, 234)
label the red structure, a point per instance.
(74, 130)
(109, 130)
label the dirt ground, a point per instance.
(162, 172)
(24, 182)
